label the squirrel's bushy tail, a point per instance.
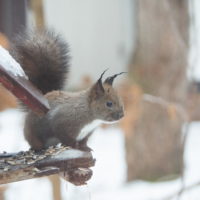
(44, 56)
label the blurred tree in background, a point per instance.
(154, 142)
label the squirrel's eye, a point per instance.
(109, 104)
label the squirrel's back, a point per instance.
(44, 56)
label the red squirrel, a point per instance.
(72, 117)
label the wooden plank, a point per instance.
(25, 91)
(72, 164)
(14, 79)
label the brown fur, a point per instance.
(44, 56)
(69, 113)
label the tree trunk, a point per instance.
(154, 146)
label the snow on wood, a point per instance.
(71, 154)
(7, 61)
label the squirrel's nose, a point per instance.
(118, 115)
(121, 114)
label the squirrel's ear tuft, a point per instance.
(99, 82)
(98, 89)
(110, 79)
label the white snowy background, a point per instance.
(108, 181)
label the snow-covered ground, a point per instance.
(108, 181)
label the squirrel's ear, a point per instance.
(110, 79)
(99, 83)
(98, 89)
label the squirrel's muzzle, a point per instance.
(117, 115)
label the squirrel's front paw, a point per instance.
(85, 148)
